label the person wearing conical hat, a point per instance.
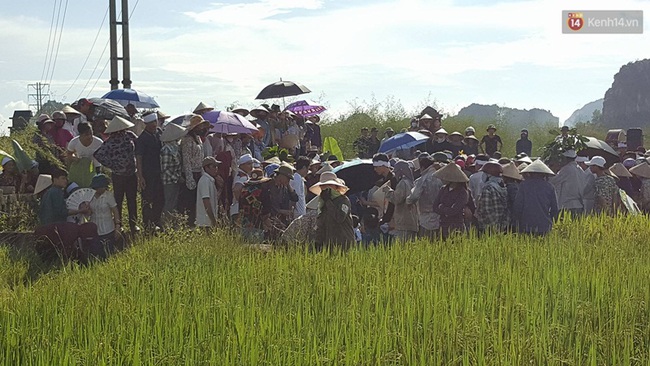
(202, 108)
(535, 207)
(624, 182)
(334, 227)
(453, 200)
(492, 206)
(192, 155)
(118, 154)
(642, 172)
(569, 183)
(425, 191)
(170, 167)
(404, 225)
(52, 219)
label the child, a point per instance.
(356, 224)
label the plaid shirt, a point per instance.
(492, 207)
(170, 163)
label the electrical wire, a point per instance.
(56, 30)
(49, 39)
(58, 45)
(89, 53)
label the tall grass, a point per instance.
(579, 296)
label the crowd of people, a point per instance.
(444, 186)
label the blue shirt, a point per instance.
(53, 208)
(267, 131)
(535, 206)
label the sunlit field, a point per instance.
(579, 296)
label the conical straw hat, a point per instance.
(451, 173)
(69, 110)
(538, 166)
(172, 132)
(202, 106)
(522, 167)
(642, 170)
(118, 124)
(620, 171)
(511, 171)
(43, 182)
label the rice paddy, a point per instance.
(576, 297)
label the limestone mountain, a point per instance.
(584, 114)
(627, 102)
(510, 116)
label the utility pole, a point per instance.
(38, 96)
(126, 54)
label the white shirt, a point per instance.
(102, 216)
(476, 183)
(569, 185)
(298, 185)
(240, 178)
(206, 188)
(82, 151)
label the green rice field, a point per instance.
(579, 296)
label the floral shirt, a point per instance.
(118, 153)
(606, 190)
(192, 153)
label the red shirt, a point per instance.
(61, 137)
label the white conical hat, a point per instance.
(511, 171)
(202, 106)
(172, 132)
(522, 167)
(538, 166)
(118, 124)
(620, 170)
(44, 181)
(642, 170)
(327, 167)
(451, 173)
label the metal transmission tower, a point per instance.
(126, 55)
(38, 96)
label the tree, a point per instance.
(597, 117)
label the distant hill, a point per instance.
(585, 113)
(511, 116)
(627, 102)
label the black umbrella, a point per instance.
(359, 175)
(282, 89)
(601, 148)
(108, 108)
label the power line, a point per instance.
(56, 30)
(49, 38)
(56, 54)
(89, 53)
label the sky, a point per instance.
(448, 52)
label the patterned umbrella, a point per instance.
(305, 108)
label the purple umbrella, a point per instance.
(305, 108)
(228, 122)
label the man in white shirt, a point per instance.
(569, 183)
(477, 180)
(298, 185)
(245, 164)
(206, 195)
